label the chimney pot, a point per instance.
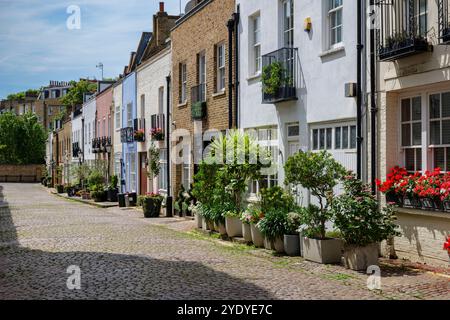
(161, 7)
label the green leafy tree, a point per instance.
(74, 96)
(22, 139)
(319, 173)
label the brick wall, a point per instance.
(20, 173)
(200, 32)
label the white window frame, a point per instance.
(161, 100)
(117, 119)
(183, 84)
(331, 28)
(162, 178)
(221, 77)
(441, 119)
(288, 31)
(129, 115)
(333, 128)
(255, 44)
(411, 122)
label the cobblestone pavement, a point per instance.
(123, 256)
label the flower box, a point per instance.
(411, 202)
(446, 205)
(427, 203)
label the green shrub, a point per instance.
(95, 178)
(273, 225)
(358, 217)
(276, 198)
(319, 173)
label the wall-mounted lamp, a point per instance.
(308, 24)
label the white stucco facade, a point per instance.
(151, 97)
(89, 114)
(77, 136)
(323, 68)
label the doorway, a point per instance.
(142, 173)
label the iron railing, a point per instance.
(76, 150)
(279, 75)
(139, 129)
(444, 21)
(403, 29)
(158, 126)
(127, 135)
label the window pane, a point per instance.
(435, 106)
(293, 131)
(322, 139)
(337, 138)
(406, 135)
(315, 139)
(329, 138)
(417, 134)
(439, 158)
(448, 162)
(418, 159)
(446, 132)
(406, 110)
(352, 137)
(435, 132)
(409, 159)
(416, 109)
(344, 137)
(446, 105)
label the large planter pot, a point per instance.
(321, 251)
(247, 232)
(199, 221)
(268, 244)
(292, 245)
(112, 195)
(121, 199)
(59, 188)
(233, 227)
(278, 245)
(151, 207)
(257, 236)
(132, 198)
(220, 228)
(360, 258)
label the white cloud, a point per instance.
(36, 46)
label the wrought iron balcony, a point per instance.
(198, 100)
(403, 30)
(76, 150)
(96, 145)
(444, 21)
(127, 135)
(279, 76)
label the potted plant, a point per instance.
(361, 223)
(447, 246)
(248, 218)
(98, 193)
(428, 189)
(273, 227)
(233, 224)
(139, 135)
(319, 173)
(59, 188)
(196, 210)
(151, 205)
(157, 134)
(113, 190)
(292, 237)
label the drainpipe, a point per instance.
(230, 26)
(359, 48)
(373, 108)
(169, 209)
(236, 72)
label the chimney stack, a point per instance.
(161, 7)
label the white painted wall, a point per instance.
(322, 73)
(89, 112)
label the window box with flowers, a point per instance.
(430, 191)
(139, 135)
(157, 134)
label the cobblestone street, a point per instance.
(124, 256)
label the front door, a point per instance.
(142, 173)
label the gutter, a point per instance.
(359, 48)
(373, 108)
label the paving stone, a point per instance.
(121, 255)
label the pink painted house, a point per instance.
(103, 130)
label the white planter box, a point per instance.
(292, 245)
(322, 251)
(233, 227)
(247, 232)
(199, 220)
(360, 258)
(257, 237)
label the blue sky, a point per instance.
(36, 46)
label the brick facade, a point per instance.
(200, 31)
